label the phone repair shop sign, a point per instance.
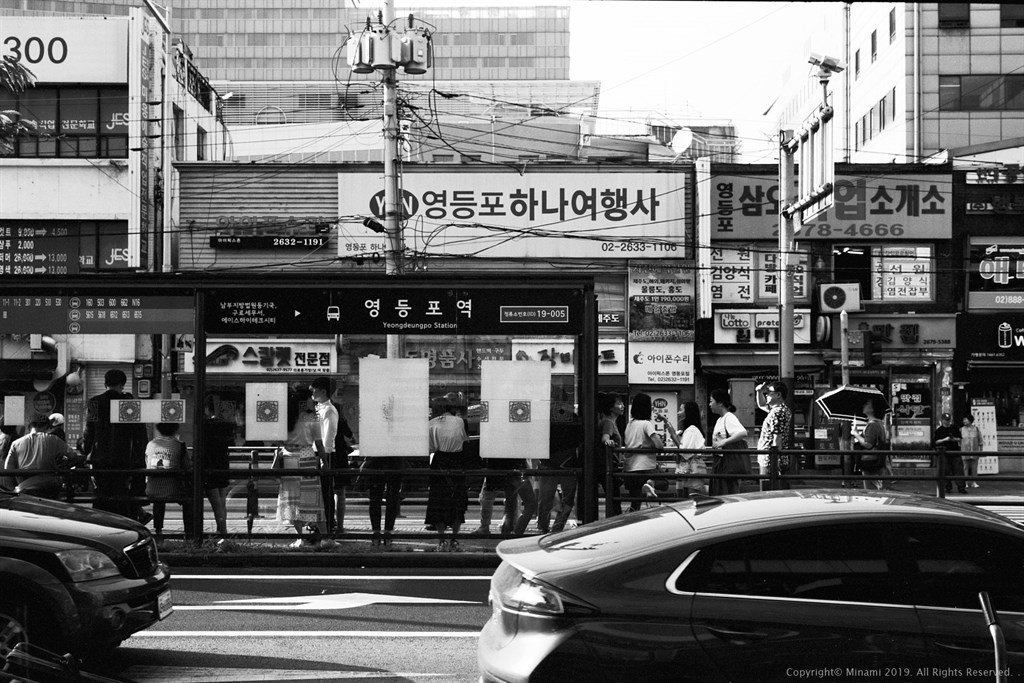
(540, 214)
(661, 362)
(760, 326)
(886, 207)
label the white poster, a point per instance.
(984, 412)
(394, 407)
(14, 412)
(147, 411)
(266, 411)
(516, 416)
(69, 49)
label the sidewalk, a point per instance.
(416, 547)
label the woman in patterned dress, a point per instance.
(300, 501)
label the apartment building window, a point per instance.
(856, 136)
(1011, 15)
(892, 25)
(856, 64)
(179, 133)
(981, 93)
(955, 14)
(73, 122)
(874, 46)
(200, 144)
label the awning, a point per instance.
(729, 362)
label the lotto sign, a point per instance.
(533, 215)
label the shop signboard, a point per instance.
(902, 332)
(266, 356)
(912, 398)
(455, 354)
(560, 353)
(996, 276)
(661, 301)
(890, 206)
(407, 310)
(537, 214)
(749, 274)
(995, 338)
(611, 355)
(660, 363)
(759, 326)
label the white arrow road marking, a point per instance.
(151, 674)
(321, 602)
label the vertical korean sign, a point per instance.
(661, 322)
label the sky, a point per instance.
(717, 61)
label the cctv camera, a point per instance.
(830, 64)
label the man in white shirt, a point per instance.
(327, 414)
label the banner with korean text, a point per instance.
(536, 214)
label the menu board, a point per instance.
(38, 249)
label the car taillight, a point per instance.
(519, 593)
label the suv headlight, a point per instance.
(87, 565)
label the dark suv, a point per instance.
(74, 579)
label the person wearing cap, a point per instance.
(57, 426)
(947, 438)
(771, 398)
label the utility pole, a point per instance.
(394, 259)
(787, 220)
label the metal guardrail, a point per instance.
(241, 473)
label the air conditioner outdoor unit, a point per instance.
(839, 296)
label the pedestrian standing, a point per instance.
(729, 435)
(947, 437)
(640, 433)
(689, 462)
(609, 409)
(39, 450)
(327, 415)
(971, 442)
(447, 497)
(873, 439)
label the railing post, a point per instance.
(940, 480)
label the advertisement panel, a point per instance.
(532, 215)
(992, 338)
(69, 49)
(661, 301)
(749, 274)
(759, 326)
(661, 363)
(996, 276)
(889, 207)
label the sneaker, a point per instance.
(442, 546)
(296, 544)
(974, 484)
(482, 530)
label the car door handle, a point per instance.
(736, 636)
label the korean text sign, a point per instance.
(867, 207)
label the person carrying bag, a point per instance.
(729, 438)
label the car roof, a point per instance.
(828, 505)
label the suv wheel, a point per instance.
(18, 625)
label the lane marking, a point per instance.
(321, 602)
(305, 634)
(320, 577)
(150, 674)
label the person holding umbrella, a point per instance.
(872, 439)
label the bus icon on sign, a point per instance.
(333, 313)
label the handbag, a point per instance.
(734, 460)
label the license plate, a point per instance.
(164, 605)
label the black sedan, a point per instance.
(74, 579)
(777, 586)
